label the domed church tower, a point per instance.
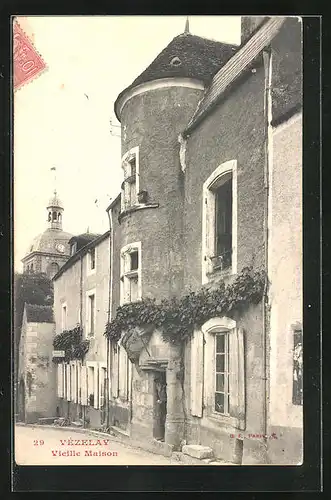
(50, 249)
(153, 111)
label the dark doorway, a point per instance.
(160, 405)
(21, 401)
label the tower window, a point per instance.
(131, 273)
(130, 186)
(54, 217)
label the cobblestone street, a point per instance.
(44, 446)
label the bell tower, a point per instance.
(55, 211)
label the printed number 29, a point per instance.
(38, 442)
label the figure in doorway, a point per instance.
(161, 402)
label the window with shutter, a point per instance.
(224, 373)
(102, 385)
(60, 380)
(219, 221)
(68, 382)
(83, 386)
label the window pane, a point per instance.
(223, 229)
(219, 343)
(219, 382)
(220, 363)
(134, 260)
(219, 402)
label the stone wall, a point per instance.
(37, 371)
(285, 273)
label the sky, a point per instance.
(62, 118)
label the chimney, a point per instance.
(249, 25)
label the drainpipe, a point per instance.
(267, 61)
(81, 316)
(110, 302)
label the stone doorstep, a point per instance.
(46, 420)
(197, 451)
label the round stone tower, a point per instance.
(153, 111)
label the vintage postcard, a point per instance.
(158, 240)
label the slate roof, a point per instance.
(199, 58)
(81, 251)
(83, 239)
(39, 314)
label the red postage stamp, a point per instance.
(27, 63)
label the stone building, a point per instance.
(209, 189)
(37, 375)
(211, 157)
(81, 305)
(50, 249)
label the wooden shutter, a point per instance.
(60, 380)
(115, 373)
(197, 373)
(96, 386)
(237, 376)
(78, 384)
(83, 380)
(68, 381)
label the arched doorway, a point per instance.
(21, 400)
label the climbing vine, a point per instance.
(72, 343)
(176, 318)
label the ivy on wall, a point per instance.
(72, 343)
(177, 318)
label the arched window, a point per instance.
(52, 269)
(31, 268)
(49, 216)
(59, 216)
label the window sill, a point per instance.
(222, 418)
(135, 208)
(218, 274)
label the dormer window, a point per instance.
(73, 248)
(130, 186)
(175, 61)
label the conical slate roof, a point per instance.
(186, 56)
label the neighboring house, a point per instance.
(211, 157)
(50, 249)
(81, 305)
(37, 374)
